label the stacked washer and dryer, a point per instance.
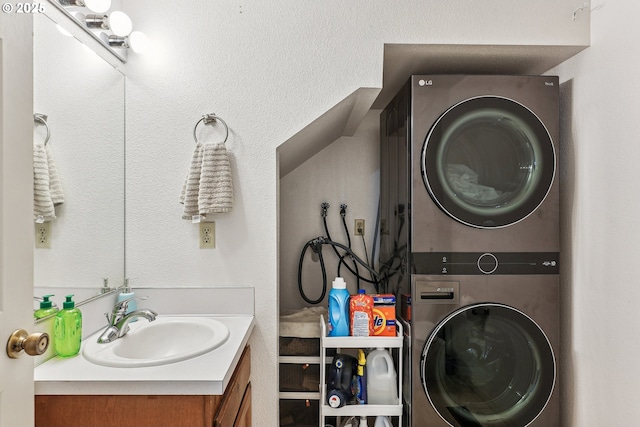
(470, 230)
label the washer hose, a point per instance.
(316, 245)
(317, 248)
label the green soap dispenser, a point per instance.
(67, 329)
(46, 308)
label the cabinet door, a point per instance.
(235, 392)
(244, 412)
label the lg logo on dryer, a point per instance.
(425, 82)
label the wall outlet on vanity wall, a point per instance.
(207, 235)
(43, 235)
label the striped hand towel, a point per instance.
(42, 202)
(55, 186)
(189, 195)
(216, 186)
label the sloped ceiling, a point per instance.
(400, 62)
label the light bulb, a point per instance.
(98, 6)
(139, 42)
(120, 23)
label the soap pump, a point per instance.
(46, 308)
(67, 329)
(128, 294)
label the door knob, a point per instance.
(33, 344)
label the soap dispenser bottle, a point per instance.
(67, 329)
(46, 308)
(128, 294)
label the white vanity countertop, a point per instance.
(207, 374)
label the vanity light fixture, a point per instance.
(96, 21)
(137, 41)
(78, 3)
(114, 28)
(115, 41)
(97, 6)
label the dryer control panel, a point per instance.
(471, 263)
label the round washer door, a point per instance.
(488, 365)
(488, 162)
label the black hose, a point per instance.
(352, 271)
(318, 249)
(324, 241)
(316, 245)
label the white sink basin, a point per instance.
(165, 340)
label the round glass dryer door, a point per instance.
(488, 365)
(488, 162)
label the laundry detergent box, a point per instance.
(384, 315)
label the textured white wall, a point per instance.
(347, 171)
(268, 68)
(600, 210)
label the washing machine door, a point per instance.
(488, 365)
(488, 162)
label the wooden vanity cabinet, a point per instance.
(232, 409)
(235, 408)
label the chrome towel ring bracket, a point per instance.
(42, 118)
(208, 119)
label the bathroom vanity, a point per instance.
(233, 408)
(211, 390)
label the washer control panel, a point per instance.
(487, 263)
(471, 263)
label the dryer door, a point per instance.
(488, 162)
(488, 365)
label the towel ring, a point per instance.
(42, 118)
(211, 118)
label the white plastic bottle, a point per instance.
(382, 422)
(363, 422)
(382, 385)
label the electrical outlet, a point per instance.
(207, 235)
(359, 227)
(43, 235)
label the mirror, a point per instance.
(82, 96)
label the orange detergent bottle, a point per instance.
(361, 314)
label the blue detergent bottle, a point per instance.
(338, 309)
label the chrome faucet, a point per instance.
(119, 320)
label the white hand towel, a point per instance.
(42, 202)
(189, 195)
(216, 186)
(55, 186)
